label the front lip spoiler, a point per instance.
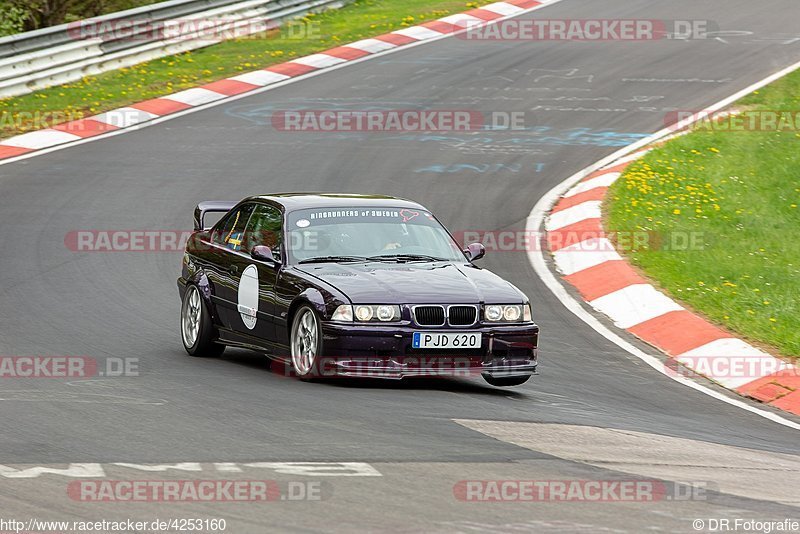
(397, 371)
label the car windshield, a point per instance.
(355, 234)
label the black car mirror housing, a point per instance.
(264, 253)
(475, 251)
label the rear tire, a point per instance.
(197, 330)
(506, 381)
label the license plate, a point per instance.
(446, 340)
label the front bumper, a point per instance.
(377, 351)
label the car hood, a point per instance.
(415, 283)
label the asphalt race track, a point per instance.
(594, 413)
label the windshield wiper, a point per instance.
(333, 259)
(406, 257)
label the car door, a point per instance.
(266, 229)
(227, 262)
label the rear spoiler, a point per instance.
(216, 206)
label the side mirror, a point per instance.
(475, 251)
(263, 253)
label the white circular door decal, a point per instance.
(248, 296)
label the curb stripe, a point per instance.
(604, 279)
(396, 39)
(596, 193)
(319, 61)
(419, 33)
(291, 69)
(585, 254)
(604, 180)
(610, 285)
(346, 52)
(634, 304)
(575, 233)
(584, 210)
(678, 332)
(161, 106)
(195, 96)
(230, 87)
(8, 151)
(260, 78)
(41, 139)
(483, 14)
(149, 110)
(84, 128)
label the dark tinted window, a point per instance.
(265, 228)
(230, 231)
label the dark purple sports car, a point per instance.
(350, 285)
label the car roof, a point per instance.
(298, 201)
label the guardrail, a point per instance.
(62, 54)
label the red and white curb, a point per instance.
(141, 113)
(588, 261)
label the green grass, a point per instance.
(95, 94)
(741, 190)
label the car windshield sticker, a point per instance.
(326, 216)
(407, 215)
(248, 296)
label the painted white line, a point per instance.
(634, 304)
(389, 49)
(503, 8)
(260, 77)
(420, 33)
(583, 255)
(195, 96)
(319, 61)
(604, 180)
(536, 257)
(121, 118)
(732, 356)
(632, 157)
(41, 139)
(585, 210)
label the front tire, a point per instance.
(197, 330)
(506, 381)
(306, 342)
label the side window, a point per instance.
(265, 228)
(230, 231)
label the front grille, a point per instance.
(462, 315)
(429, 315)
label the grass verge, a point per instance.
(95, 94)
(739, 191)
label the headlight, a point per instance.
(384, 313)
(493, 313)
(387, 313)
(343, 313)
(364, 313)
(507, 313)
